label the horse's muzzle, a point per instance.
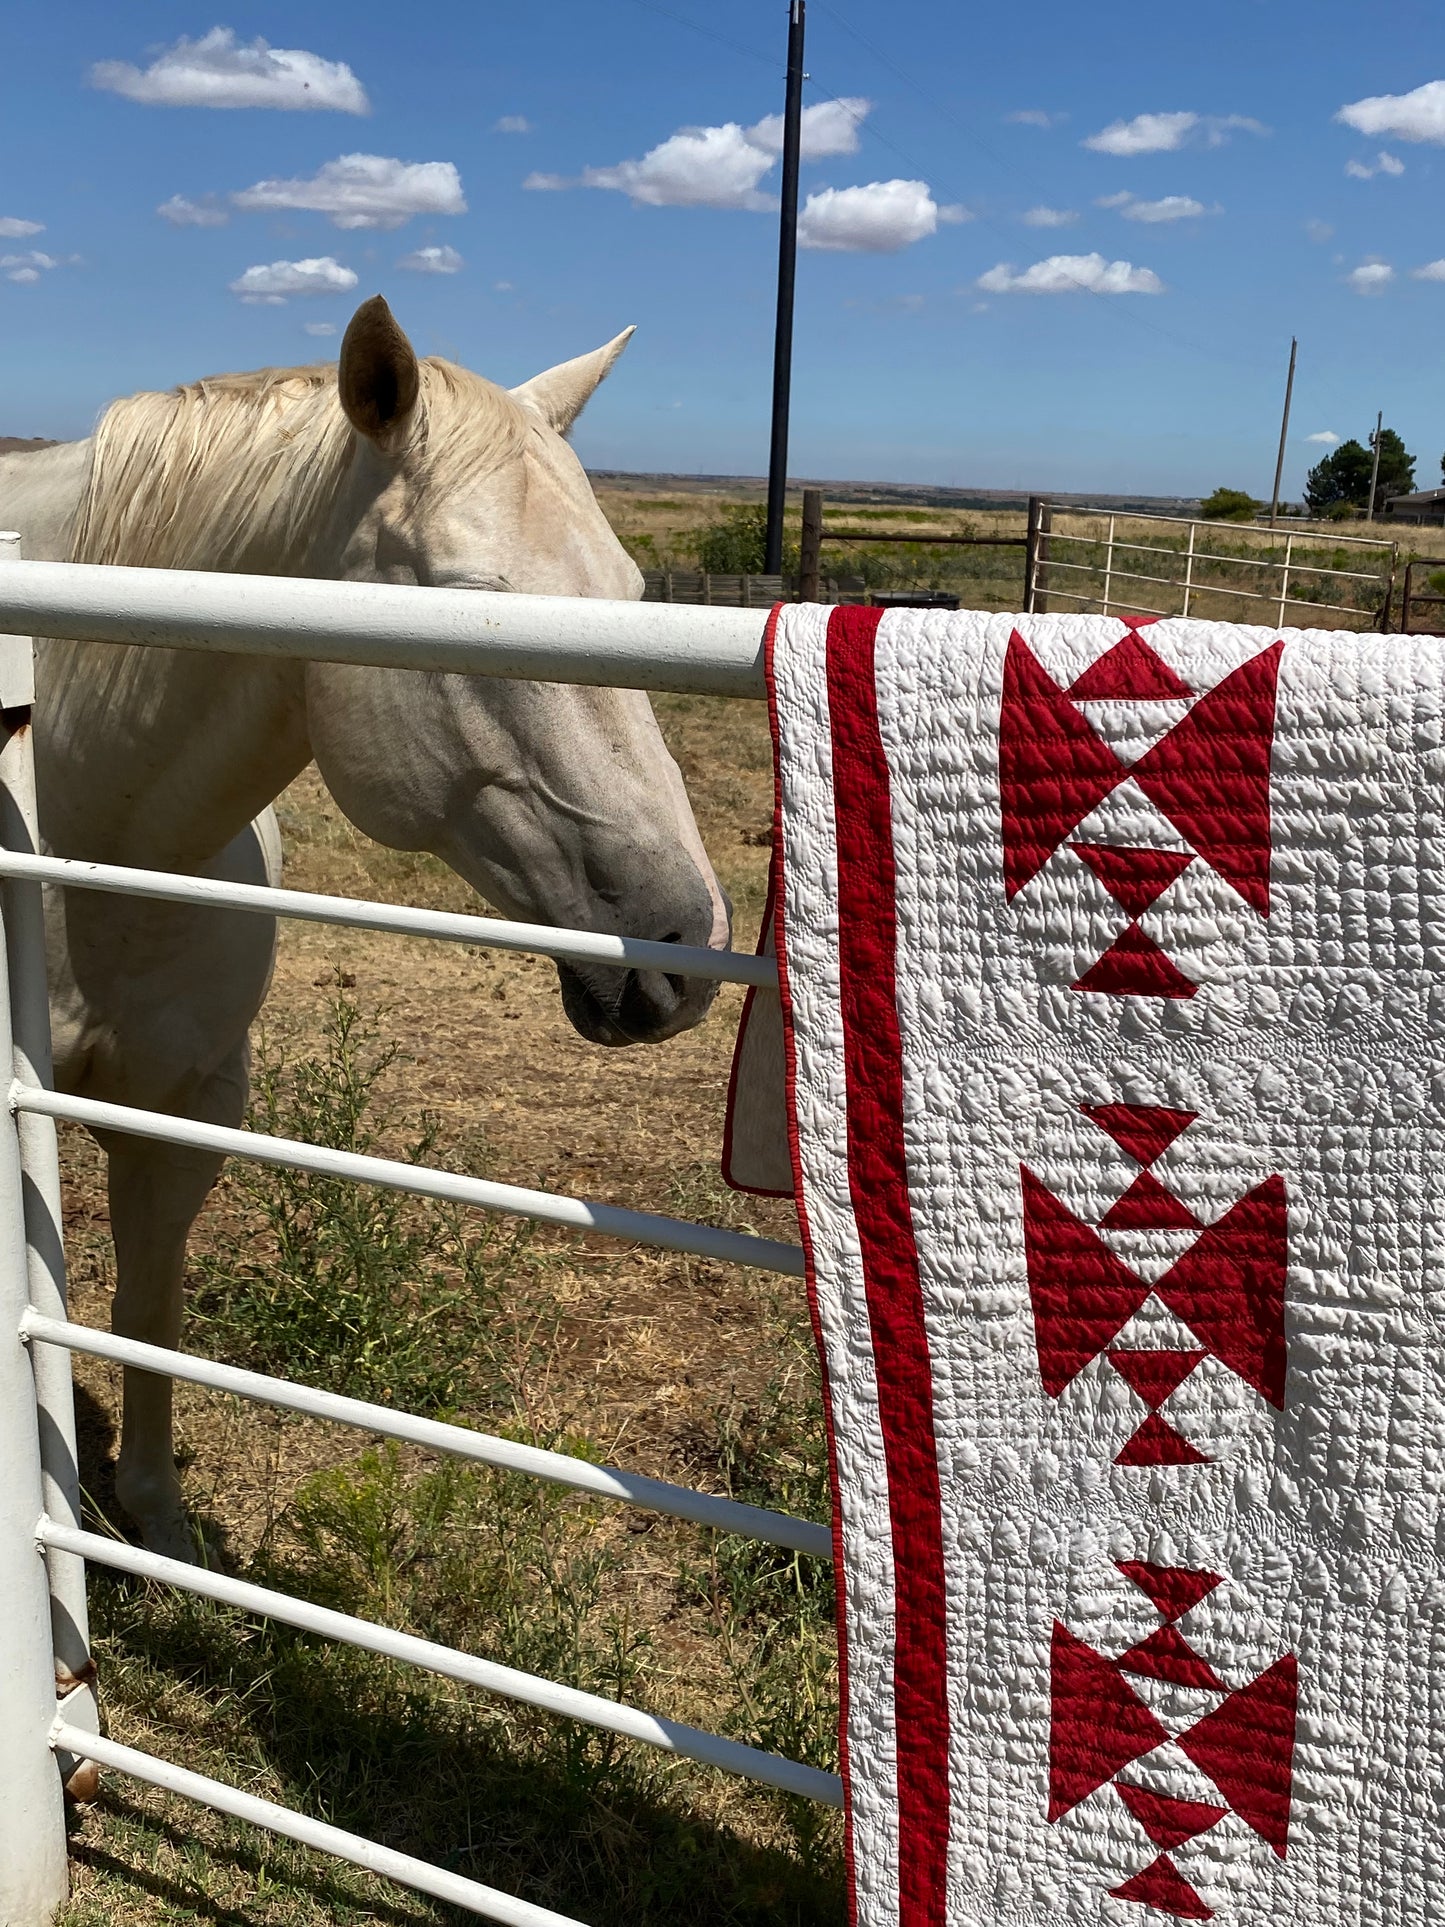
(617, 1007)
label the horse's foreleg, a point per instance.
(156, 1190)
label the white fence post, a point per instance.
(33, 1880)
(1108, 566)
(22, 906)
(1189, 569)
(1284, 577)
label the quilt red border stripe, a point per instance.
(878, 1180)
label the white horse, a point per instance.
(557, 804)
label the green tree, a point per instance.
(1229, 505)
(1397, 468)
(736, 545)
(1340, 481)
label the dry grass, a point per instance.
(665, 1364)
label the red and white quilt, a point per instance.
(1113, 966)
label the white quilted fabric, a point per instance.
(1167, 1639)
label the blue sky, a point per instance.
(1207, 201)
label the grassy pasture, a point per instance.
(672, 1366)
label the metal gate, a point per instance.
(48, 1712)
(1115, 562)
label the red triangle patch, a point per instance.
(1210, 775)
(1246, 1746)
(1154, 1375)
(1145, 1131)
(1082, 1295)
(1166, 1654)
(1168, 1821)
(1157, 1443)
(1099, 1723)
(1135, 966)
(1229, 1288)
(1130, 672)
(1147, 1206)
(1134, 877)
(1175, 1590)
(1162, 1885)
(1053, 769)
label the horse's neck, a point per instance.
(160, 757)
(147, 756)
(39, 490)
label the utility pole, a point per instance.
(1375, 470)
(787, 267)
(1283, 434)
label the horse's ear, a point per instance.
(563, 392)
(378, 376)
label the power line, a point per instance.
(1132, 314)
(708, 33)
(911, 161)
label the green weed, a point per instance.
(366, 1291)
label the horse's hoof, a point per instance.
(173, 1535)
(165, 1527)
(83, 1786)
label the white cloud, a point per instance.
(1432, 271)
(1121, 199)
(700, 167)
(829, 129)
(1173, 207)
(1319, 231)
(14, 229)
(431, 261)
(364, 191)
(1145, 134)
(182, 212)
(319, 327)
(1049, 217)
(512, 124)
(879, 218)
(1326, 437)
(503, 287)
(26, 268)
(218, 71)
(720, 166)
(1384, 164)
(1164, 133)
(1072, 274)
(1034, 117)
(270, 284)
(1371, 277)
(1418, 116)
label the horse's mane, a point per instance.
(240, 471)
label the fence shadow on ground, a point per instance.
(597, 1828)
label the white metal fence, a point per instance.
(1107, 562)
(48, 1711)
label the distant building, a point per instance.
(1427, 505)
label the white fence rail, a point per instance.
(696, 650)
(1113, 562)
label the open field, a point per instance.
(661, 526)
(671, 1366)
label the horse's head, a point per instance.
(559, 804)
